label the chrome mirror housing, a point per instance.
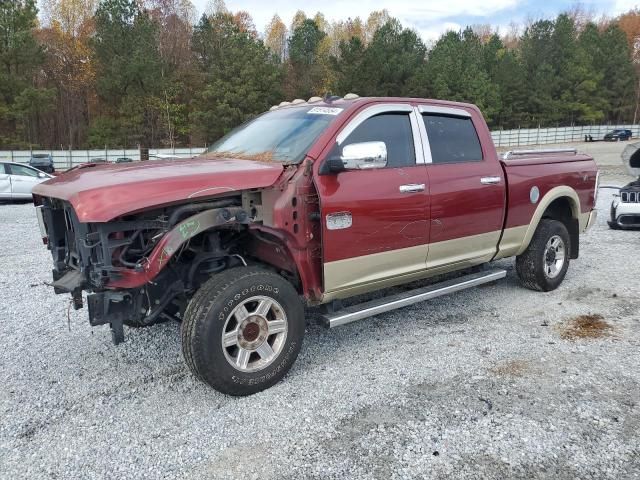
(364, 156)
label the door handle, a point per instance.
(490, 180)
(412, 188)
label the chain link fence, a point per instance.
(65, 159)
(542, 136)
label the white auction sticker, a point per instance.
(325, 111)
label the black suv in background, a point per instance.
(42, 161)
(617, 135)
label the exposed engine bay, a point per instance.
(143, 268)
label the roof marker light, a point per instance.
(351, 96)
(314, 99)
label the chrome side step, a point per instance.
(386, 304)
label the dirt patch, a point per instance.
(515, 368)
(585, 326)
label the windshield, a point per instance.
(282, 135)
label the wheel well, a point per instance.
(273, 254)
(563, 210)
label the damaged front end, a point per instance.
(140, 269)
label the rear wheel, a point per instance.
(544, 263)
(242, 330)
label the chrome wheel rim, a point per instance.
(554, 256)
(254, 334)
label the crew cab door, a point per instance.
(23, 179)
(5, 182)
(375, 221)
(467, 187)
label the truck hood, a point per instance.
(102, 192)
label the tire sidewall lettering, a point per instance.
(268, 375)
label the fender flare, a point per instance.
(552, 195)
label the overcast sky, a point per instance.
(428, 17)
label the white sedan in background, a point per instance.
(17, 180)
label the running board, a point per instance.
(386, 304)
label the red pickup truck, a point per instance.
(305, 205)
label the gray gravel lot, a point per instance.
(488, 383)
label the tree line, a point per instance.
(124, 73)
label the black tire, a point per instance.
(533, 264)
(212, 309)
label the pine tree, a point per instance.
(21, 101)
(239, 77)
(306, 68)
(129, 72)
(391, 61)
(455, 70)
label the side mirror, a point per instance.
(42, 175)
(364, 156)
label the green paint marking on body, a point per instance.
(189, 229)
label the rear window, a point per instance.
(452, 139)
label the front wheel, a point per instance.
(544, 263)
(242, 330)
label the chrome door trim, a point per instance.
(369, 112)
(417, 138)
(422, 129)
(379, 108)
(458, 112)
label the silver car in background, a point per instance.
(17, 180)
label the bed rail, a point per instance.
(541, 151)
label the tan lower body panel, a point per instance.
(354, 276)
(511, 242)
(351, 272)
(482, 246)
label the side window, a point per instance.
(452, 139)
(394, 129)
(3, 169)
(23, 171)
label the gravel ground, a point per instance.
(495, 382)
